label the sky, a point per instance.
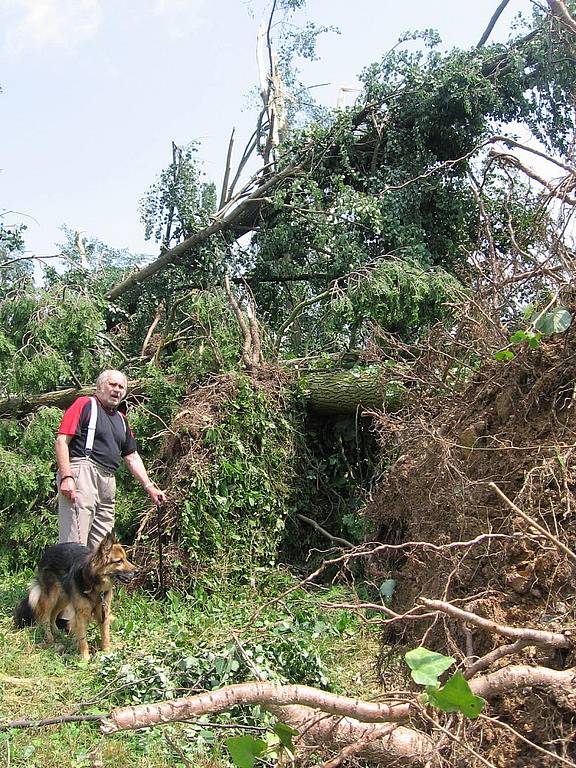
(95, 91)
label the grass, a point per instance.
(161, 649)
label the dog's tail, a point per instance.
(25, 613)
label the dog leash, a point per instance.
(161, 585)
(76, 510)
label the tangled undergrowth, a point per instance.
(512, 425)
(230, 458)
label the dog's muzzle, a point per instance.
(125, 577)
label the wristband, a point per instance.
(67, 477)
(149, 485)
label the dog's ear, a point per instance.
(105, 546)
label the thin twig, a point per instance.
(546, 752)
(172, 744)
(568, 552)
(324, 532)
(354, 749)
(455, 738)
(6, 725)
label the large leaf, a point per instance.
(427, 666)
(244, 750)
(456, 696)
(285, 733)
(556, 321)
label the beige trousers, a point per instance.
(92, 517)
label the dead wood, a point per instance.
(144, 715)
(531, 636)
(523, 676)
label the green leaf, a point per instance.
(456, 696)
(427, 666)
(518, 337)
(556, 321)
(534, 340)
(245, 749)
(504, 354)
(285, 733)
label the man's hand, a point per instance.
(157, 496)
(68, 489)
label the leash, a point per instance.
(77, 521)
(161, 584)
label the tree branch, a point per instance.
(224, 192)
(267, 694)
(522, 676)
(561, 12)
(244, 211)
(492, 23)
(533, 636)
(324, 532)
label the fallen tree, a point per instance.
(383, 732)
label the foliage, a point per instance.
(27, 492)
(557, 320)
(245, 750)
(544, 323)
(233, 509)
(288, 655)
(15, 268)
(336, 459)
(455, 695)
(52, 342)
(178, 203)
(392, 180)
(154, 639)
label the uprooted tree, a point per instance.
(410, 251)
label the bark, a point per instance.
(492, 23)
(16, 407)
(131, 718)
(385, 744)
(337, 721)
(347, 392)
(302, 708)
(562, 13)
(512, 678)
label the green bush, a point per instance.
(234, 509)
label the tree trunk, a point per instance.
(327, 392)
(341, 392)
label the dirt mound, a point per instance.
(513, 425)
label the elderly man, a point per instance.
(92, 440)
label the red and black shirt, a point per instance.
(113, 438)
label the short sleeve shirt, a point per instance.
(113, 438)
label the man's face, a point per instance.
(111, 392)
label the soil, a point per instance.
(514, 425)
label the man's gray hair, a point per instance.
(103, 377)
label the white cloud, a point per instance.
(48, 23)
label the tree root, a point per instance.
(267, 694)
(368, 730)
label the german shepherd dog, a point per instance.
(71, 575)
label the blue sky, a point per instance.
(95, 91)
